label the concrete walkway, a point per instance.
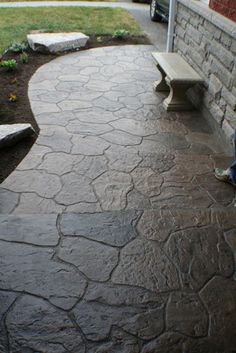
(114, 234)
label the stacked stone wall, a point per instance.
(211, 50)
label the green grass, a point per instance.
(52, 0)
(16, 23)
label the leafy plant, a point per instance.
(24, 58)
(9, 65)
(12, 97)
(120, 34)
(18, 47)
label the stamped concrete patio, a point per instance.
(115, 236)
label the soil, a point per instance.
(16, 82)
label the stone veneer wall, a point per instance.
(207, 41)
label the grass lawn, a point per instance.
(52, 0)
(16, 23)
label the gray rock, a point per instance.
(93, 259)
(36, 326)
(31, 269)
(12, 133)
(144, 264)
(111, 228)
(56, 42)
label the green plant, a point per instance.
(18, 47)
(12, 97)
(120, 34)
(9, 65)
(24, 58)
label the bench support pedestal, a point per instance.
(161, 85)
(177, 99)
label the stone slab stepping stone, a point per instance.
(12, 133)
(56, 42)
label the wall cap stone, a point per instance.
(215, 18)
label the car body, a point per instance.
(159, 10)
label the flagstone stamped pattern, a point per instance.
(114, 237)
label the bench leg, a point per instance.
(177, 99)
(160, 86)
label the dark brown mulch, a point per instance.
(19, 111)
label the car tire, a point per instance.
(153, 12)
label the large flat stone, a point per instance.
(144, 264)
(93, 259)
(40, 182)
(56, 42)
(186, 314)
(199, 254)
(12, 133)
(76, 188)
(36, 326)
(32, 229)
(96, 320)
(111, 228)
(111, 189)
(26, 268)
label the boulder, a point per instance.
(12, 133)
(56, 42)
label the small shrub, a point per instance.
(17, 47)
(12, 97)
(120, 34)
(24, 58)
(9, 65)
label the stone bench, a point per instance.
(177, 77)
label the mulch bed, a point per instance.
(16, 82)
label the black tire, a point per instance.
(153, 12)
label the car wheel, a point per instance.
(153, 12)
